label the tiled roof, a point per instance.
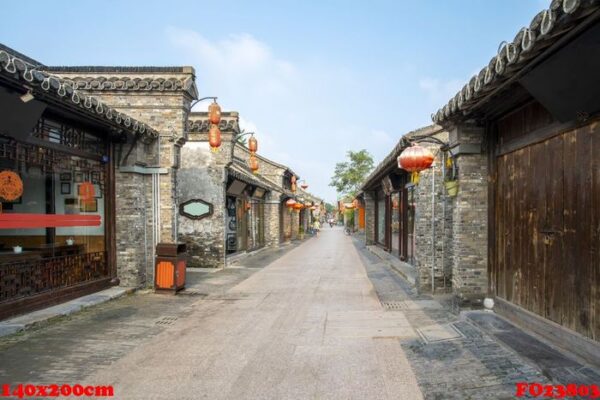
(60, 90)
(198, 122)
(117, 69)
(131, 84)
(393, 155)
(240, 147)
(546, 28)
(145, 79)
(241, 171)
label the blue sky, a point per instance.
(314, 79)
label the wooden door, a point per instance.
(547, 229)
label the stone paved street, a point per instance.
(322, 320)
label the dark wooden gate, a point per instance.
(547, 229)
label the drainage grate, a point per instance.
(411, 305)
(166, 321)
(192, 292)
(394, 305)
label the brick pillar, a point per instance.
(295, 224)
(431, 213)
(370, 218)
(272, 219)
(470, 216)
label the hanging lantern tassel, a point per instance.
(414, 177)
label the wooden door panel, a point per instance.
(500, 225)
(547, 229)
(537, 216)
(595, 233)
(550, 232)
(578, 229)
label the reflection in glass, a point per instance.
(57, 193)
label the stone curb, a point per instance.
(404, 271)
(28, 321)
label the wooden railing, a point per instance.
(33, 275)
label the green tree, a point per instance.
(330, 208)
(349, 175)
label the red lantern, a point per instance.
(252, 144)
(214, 113)
(253, 164)
(86, 192)
(415, 159)
(248, 206)
(290, 203)
(298, 206)
(214, 137)
(304, 186)
(11, 186)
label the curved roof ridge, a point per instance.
(545, 29)
(33, 76)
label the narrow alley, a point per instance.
(323, 320)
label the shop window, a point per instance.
(195, 209)
(53, 234)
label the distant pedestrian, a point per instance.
(317, 227)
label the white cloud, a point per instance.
(295, 108)
(237, 62)
(440, 92)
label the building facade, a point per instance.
(412, 221)
(66, 157)
(100, 164)
(525, 131)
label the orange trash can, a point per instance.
(169, 269)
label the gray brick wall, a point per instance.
(273, 208)
(202, 175)
(369, 219)
(167, 113)
(433, 223)
(470, 220)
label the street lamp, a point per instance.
(252, 148)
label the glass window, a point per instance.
(195, 209)
(256, 225)
(54, 233)
(59, 213)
